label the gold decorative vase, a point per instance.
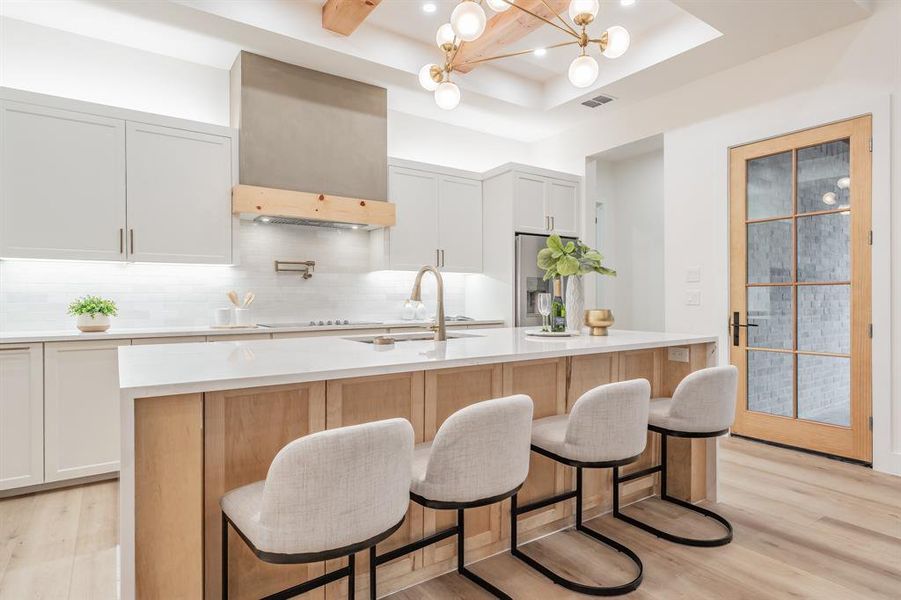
(598, 320)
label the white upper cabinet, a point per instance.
(413, 239)
(439, 222)
(545, 205)
(563, 207)
(65, 183)
(21, 415)
(460, 224)
(62, 184)
(179, 195)
(530, 214)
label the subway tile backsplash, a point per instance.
(34, 295)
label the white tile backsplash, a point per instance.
(34, 294)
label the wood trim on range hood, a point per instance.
(262, 201)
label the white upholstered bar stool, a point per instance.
(702, 406)
(480, 455)
(606, 428)
(326, 495)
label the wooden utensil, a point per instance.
(249, 297)
(233, 296)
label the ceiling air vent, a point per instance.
(598, 101)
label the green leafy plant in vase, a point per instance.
(571, 260)
(92, 313)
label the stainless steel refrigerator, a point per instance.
(529, 278)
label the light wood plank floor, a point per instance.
(805, 527)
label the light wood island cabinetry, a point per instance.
(192, 448)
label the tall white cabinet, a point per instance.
(21, 415)
(82, 181)
(439, 221)
(81, 414)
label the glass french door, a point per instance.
(800, 288)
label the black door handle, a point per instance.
(735, 325)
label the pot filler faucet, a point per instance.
(416, 296)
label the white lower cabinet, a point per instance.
(81, 408)
(21, 415)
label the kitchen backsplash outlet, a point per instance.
(34, 294)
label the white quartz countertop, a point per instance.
(185, 368)
(72, 335)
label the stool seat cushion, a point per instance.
(703, 402)
(607, 423)
(479, 452)
(328, 490)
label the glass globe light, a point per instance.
(445, 37)
(583, 71)
(497, 5)
(447, 95)
(583, 12)
(425, 77)
(618, 40)
(468, 21)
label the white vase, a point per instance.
(90, 323)
(575, 303)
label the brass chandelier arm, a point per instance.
(560, 18)
(540, 18)
(476, 61)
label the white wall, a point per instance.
(632, 193)
(850, 71)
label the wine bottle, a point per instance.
(558, 309)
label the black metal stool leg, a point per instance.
(224, 557)
(664, 495)
(351, 576)
(373, 586)
(461, 562)
(575, 586)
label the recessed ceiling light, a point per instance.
(429, 7)
(626, 2)
(540, 51)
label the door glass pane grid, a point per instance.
(799, 369)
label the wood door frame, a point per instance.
(856, 441)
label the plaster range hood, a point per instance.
(313, 147)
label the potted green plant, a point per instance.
(571, 260)
(92, 313)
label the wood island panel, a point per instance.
(169, 497)
(545, 382)
(362, 400)
(446, 392)
(243, 431)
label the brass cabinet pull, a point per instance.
(442, 257)
(121, 240)
(553, 223)
(131, 233)
(437, 257)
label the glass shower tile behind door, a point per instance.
(769, 188)
(823, 176)
(771, 382)
(824, 389)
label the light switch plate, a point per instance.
(677, 354)
(693, 275)
(693, 298)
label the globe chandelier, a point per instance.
(468, 21)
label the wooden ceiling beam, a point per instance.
(508, 28)
(344, 16)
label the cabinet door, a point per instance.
(21, 415)
(62, 184)
(179, 195)
(529, 214)
(81, 408)
(460, 224)
(563, 207)
(413, 241)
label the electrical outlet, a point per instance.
(677, 354)
(693, 298)
(693, 275)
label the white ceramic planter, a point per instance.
(88, 323)
(575, 303)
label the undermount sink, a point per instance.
(407, 337)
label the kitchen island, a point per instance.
(201, 419)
